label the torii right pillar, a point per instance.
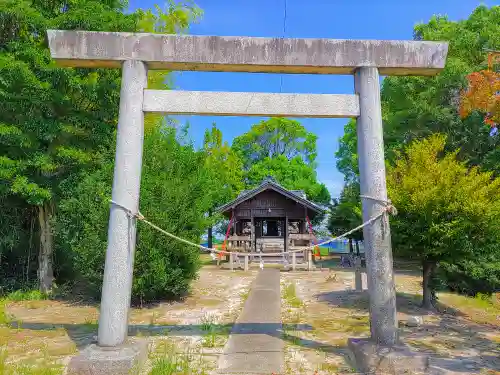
(377, 236)
(382, 353)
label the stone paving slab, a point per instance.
(255, 345)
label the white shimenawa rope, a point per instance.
(388, 209)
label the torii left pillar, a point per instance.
(119, 266)
(121, 356)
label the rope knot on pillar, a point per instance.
(387, 203)
(389, 209)
(136, 215)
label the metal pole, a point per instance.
(377, 237)
(118, 269)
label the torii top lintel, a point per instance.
(246, 54)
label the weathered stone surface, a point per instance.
(246, 54)
(251, 104)
(119, 264)
(373, 186)
(414, 321)
(452, 366)
(371, 358)
(255, 345)
(125, 359)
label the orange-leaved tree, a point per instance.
(483, 93)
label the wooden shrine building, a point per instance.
(269, 219)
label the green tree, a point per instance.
(347, 154)
(276, 137)
(175, 194)
(415, 107)
(226, 169)
(447, 212)
(292, 174)
(55, 122)
(285, 150)
(346, 214)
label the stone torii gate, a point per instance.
(136, 53)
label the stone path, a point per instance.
(255, 345)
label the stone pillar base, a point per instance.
(126, 359)
(371, 358)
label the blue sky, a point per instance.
(338, 19)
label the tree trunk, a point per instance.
(45, 271)
(210, 233)
(210, 237)
(428, 298)
(351, 249)
(357, 248)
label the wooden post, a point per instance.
(358, 281)
(246, 262)
(231, 263)
(294, 261)
(285, 248)
(252, 234)
(309, 260)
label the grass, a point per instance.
(45, 367)
(152, 318)
(481, 309)
(290, 296)
(167, 361)
(90, 323)
(211, 339)
(208, 322)
(214, 334)
(26, 295)
(206, 259)
(348, 324)
(244, 295)
(330, 368)
(5, 319)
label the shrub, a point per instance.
(174, 195)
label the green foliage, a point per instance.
(276, 137)
(26, 295)
(290, 173)
(225, 166)
(284, 149)
(345, 213)
(56, 123)
(17, 244)
(415, 107)
(347, 154)
(175, 194)
(53, 121)
(4, 317)
(447, 212)
(472, 276)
